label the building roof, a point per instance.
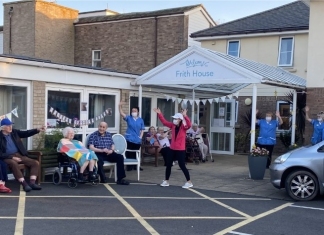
(289, 17)
(210, 71)
(135, 15)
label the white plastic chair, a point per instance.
(112, 165)
(120, 147)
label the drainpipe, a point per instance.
(156, 38)
(10, 15)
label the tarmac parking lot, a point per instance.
(143, 208)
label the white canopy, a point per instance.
(204, 70)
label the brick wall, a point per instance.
(129, 46)
(54, 32)
(39, 108)
(22, 28)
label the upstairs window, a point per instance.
(233, 48)
(96, 58)
(286, 51)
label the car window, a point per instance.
(320, 149)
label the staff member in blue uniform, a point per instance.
(267, 135)
(318, 126)
(134, 132)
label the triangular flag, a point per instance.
(216, 99)
(191, 102)
(230, 96)
(179, 100)
(173, 99)
(8, 115)
(167, 97)
(51, 110)
(197, 102)
(223, 98)
(104, 114)
(54, 112)
(236, 94)
(210, 101)
(185, 101)
(14, 112)
(204, 101)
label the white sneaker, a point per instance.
(187, 185)
(164, 183)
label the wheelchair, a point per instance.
(193, 150)
(68, 168)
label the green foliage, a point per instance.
(285, 138)
(239, 141)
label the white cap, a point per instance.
(178, 115)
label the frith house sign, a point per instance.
(194, 68)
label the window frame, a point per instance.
(238, 49)
(95, 60)
(292, 51)
(277, 108)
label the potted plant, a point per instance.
(258, 162)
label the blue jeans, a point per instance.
(3, 171)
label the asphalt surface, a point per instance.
(142, 208)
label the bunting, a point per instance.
(77, 122)
(9, 116)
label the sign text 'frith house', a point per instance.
(193, 69)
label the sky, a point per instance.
(220, 10)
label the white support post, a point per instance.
(198, 110)
(253, 121)
(140, 99)
(193, 107)
(293, 118)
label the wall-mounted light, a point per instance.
(248, 101)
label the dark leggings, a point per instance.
(3, 171)
(270, 149)
(180, 156)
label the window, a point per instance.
(286, 51)
(96, 58)
(167, 108)
(66, 103)
(98, 104)
(146, 108)
(284, 109)
(233, 48)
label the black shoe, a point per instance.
(92, 178)
(27, 188)
(35, 187)
(141, 169)
(122, 182)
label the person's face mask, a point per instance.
(134, 114)
(175, 121)
(320, 119)
(268, 119)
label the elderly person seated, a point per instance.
(13, 152)
(196, 132)
(76, 150)
(3, 178)
(151, 139)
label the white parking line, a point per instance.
(232, 232)
(310, 208)
(19, 228)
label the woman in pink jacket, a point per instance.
(181, 123)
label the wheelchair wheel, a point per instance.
(57, 177)
(72, 183)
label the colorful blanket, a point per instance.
(76, 150)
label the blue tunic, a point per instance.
(267, 134)
(318, 131)
(134, 127)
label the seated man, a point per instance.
(102, 144)
(76, 150)
(196, 132)
(13, 152)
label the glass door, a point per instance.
(222, 127)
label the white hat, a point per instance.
(178, 115)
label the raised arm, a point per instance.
(306, 111)
(188, 122)
(162, 119)
(279, 118)
(121, 109)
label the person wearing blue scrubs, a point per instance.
(318, 126)
(267, 135)
(134, 132)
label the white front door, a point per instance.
(222, 127)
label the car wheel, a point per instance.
(302, 185)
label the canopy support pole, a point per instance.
(293, 121)
(253, 117)
(193, 107)
(140, 100)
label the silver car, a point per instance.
(300, 172)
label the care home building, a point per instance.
(279, 37)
